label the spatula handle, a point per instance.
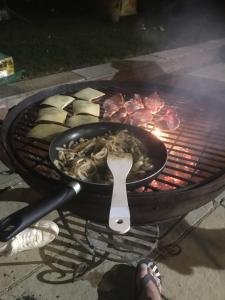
(119, 216)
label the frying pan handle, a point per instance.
(23, 218)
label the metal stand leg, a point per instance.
(129, 248)
(83, 267)
(88, 249)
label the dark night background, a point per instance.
(84, 6)
(46, 36)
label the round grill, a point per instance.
(196, 153)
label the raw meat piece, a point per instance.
(154, 103)
(140, 118)
(134, 104)
(172, 121)
(112, 105)
(118, 117)
(169, 118)
(140, 112)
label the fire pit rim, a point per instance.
(198, 189)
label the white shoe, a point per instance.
(36, 236)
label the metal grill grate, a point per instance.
(196, 148)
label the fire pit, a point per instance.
(194, 173)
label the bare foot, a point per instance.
(148, 284)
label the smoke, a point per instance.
(184, 22)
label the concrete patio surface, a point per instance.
(192, 262)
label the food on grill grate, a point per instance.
(59, 101)
(88, 94)
(119, 116)
(86, 160)
(46, 132)
(141, 117)
(52, 114)
(133, 104)
(81, 119)
(112, 105)
(169, 119)
(84, 107)
(141, 112)
(154, 103)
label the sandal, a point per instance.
(153, 275)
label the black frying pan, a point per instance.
(23, 218)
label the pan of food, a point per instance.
(100, 157)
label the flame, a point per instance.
(158, 133)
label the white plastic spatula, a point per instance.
(119, 216)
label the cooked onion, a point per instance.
(86, 159)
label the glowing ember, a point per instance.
(179, 170)
(162, 186)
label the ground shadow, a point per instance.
(118, 283)
(138, 70)
(64, 260)
(26, 195)
(202, 248)
(69, 256)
